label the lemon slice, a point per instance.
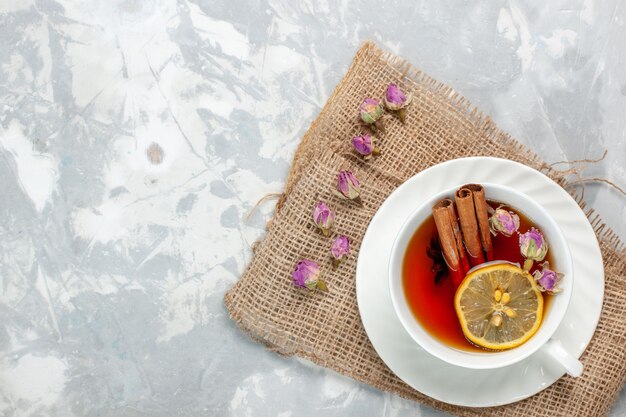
(499, 306)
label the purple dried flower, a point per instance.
(340, 249)
(307, 275)
(348, 185)
(370, 111)
(547, 279)
(532, 245)
(503, 221)
(366, 145)
(395, 100)
(323, 217)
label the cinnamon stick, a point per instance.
(445, 228)
(454, 218)
(480, 205)
(469, 225)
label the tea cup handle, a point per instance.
(555, 349)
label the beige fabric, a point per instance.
(326, 328)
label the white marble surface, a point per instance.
(135, 136)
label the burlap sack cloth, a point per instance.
(326, 328)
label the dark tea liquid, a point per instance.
(433, 304)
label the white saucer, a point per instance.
(438, 379)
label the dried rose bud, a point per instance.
(366, 145)
(340, 249)
(323, 217)
(503, 221)
(348, 186)
(548, 279)
(307, 275)
(532, 245)
(370, 111)
(396, 100)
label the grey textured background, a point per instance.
(136, 135)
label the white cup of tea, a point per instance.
(542, 340)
